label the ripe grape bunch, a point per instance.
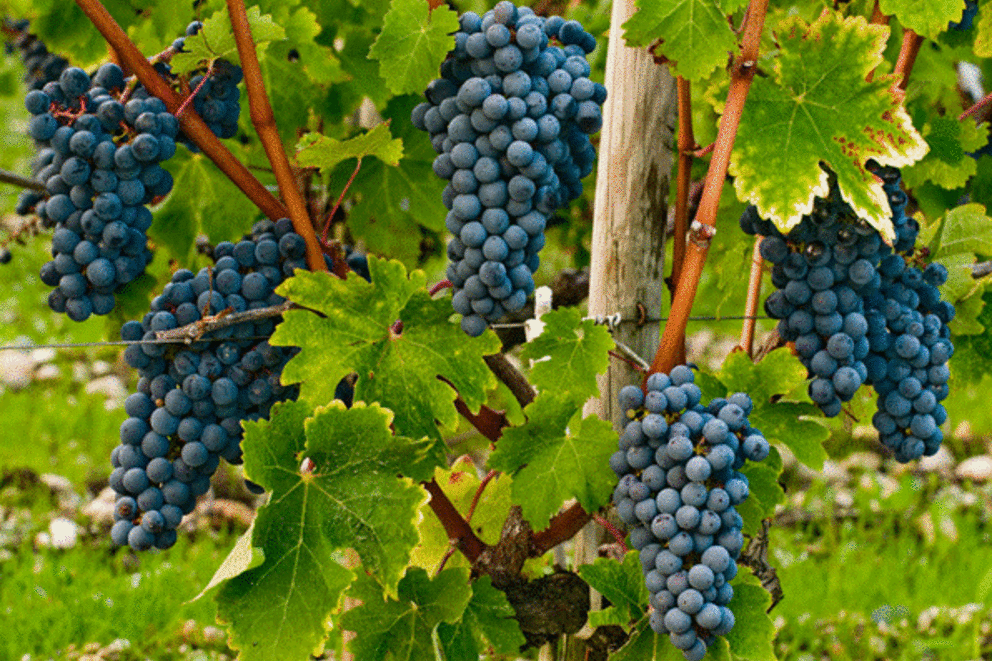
(40, 65)
(510, 119)
(860, 312)
(191, 399)
(678, 466)
(99, 156)
(216, 94)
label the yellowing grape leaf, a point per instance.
(351, 497)
(817, 110)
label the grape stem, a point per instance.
(976, 107)
(264, 121)
(742, 74)
(753, 295)
(192, 332)
(13, 179)
(191, 124)
(613, 530)
(189, 99)
(687, 143)
(337, 204)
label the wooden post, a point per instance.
(631, 213)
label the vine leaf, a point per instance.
(964, 233)
(578, 350)
(414, 41)
(983, 31)
(204, 201)
(765, 494)
(460, 484)
(321, 151)
(948, 163)
(753, 632)
(645, 645)
(780, 375)
(405, 624)
(391, 202)
(557, 455)
(620, 582)
(216, 39)
(488, 617)
(242, 557)
(695, 35)
(354, 333)
(927, 18)
(350, 499)
(816, 109)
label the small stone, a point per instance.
(833, 472)
(48, 372)
(99, 368)
(865, 461)
(15, 369)
(963, 431)
(42, 355)
(57, 483)
(80, 372)
(91, 648)
(844, 499)
(976, 469)
(64, 533)
(101, 508)
(113, 651)
(110, 386)
(941, 462)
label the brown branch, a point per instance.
(877, 17)
(191, 124)
(753, 295)
(563, 527)
(740, 83)
(13, 179)
(976, 107)
(458, 529)
(264, 121)
(511, 377)
(687, 142)
(192, 332)
(488, 422)
(911, 43)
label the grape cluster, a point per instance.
(41, 66)
(510, 119)
(678, 466)
(217, 99)
(99, 158)
(191, 399)
(859, 312)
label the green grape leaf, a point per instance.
(390, 202)
(793, 424)
(399, 370)
(966, 229)
(620, 582)
(817, 109)
(203, 200)
(351, 498)
(320, 151)
(924, 17)
(947, 164)
(405, 625)
(765, 494)
(413, 43)
(753, 633)
(460, 483)
(983, 31)
(557, 455)
(216, 39)
(695, 35)
(242, 557)
(488, 617)
(578, 350)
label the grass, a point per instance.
(54, 599)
